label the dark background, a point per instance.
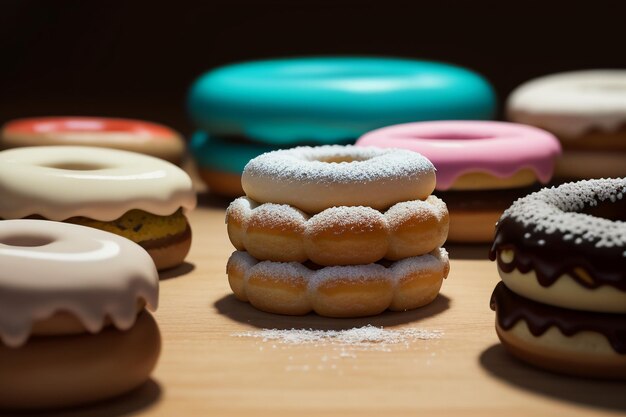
(137, 58)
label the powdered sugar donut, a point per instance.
(78, 290)
(316, 178)
(126, 134)
(337, 235)
(337, 291)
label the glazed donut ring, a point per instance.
(337, 235)
(126, 134)
(59, 182)
(559, 339)
(552, 249)
(314, 179)
(68, 288)
(337, 291)
(474, 155)
(50, 267)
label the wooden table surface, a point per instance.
(206, 371)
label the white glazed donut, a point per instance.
(140, 197)
(52, 267)
(573, 103)
(59, 182)
(316, 178)
(79, 292)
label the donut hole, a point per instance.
(76, 166)
(614, 211)
(338, 159)
(453, 136)
(25, 241)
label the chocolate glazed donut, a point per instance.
(561, 254)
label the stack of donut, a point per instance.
(586, 110)
(339, 230)
(561, 254)
(482, 166)
(246, 109)
(73, 327)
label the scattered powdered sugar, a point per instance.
(557, 209)
(362, 338)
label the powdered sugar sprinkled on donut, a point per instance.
(557, 210)
(338, 235)
(316, 178)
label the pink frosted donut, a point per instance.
(458, 148)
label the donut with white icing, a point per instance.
(561, 252)
(482, 166)
(137, 196)
(68, 288)
(338, 235)
(126, 134)
(586, 110)
(293, 288)
(313, 179)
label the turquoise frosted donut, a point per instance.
(222, 155)
(333, 99)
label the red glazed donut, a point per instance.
(131, 135)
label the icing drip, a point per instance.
(50, 267)
(59, 182)
(511, 308)
(457, 148)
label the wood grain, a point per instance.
(204, 370)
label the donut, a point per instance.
(131, 135)
(136, 196)
(293, 288)
(220, 162)
(338, 235)
(482, 166)
(249, 108)
(586, 110)
(561, 252)
(73, 328)
(313, 179)
(325, 99)
(561, 340)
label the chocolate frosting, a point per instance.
(511, 308)
(551, 233)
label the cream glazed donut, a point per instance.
(586, 110)
(67, 288)
(482, 166)
(316, 178)
(561, 254)
(338, 235)
(131, 135)
(337, 291)
(136, 196)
